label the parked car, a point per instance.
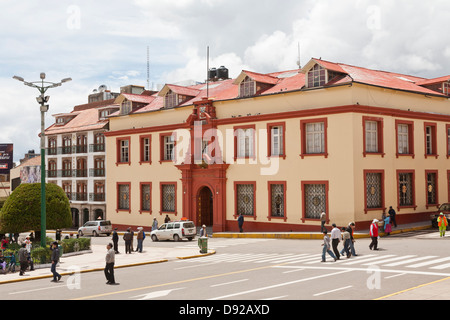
(176, 230)
(445, 209)
(96, 228)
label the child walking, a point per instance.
(326, 247)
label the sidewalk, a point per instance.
(94, 260)
(318, 235)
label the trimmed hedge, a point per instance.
(22, 210)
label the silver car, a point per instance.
(176, 230)
(96, 228)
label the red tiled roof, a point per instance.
(84, 120)
(433, 81)
(139, 98)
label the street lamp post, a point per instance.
(42, 99)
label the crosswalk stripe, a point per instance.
(276, 258)
(297, 256)
(368, 259)
(407, 261)
(427, 263)
(389, 260)
(304, 259)
(442, 266)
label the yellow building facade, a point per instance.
(281, 149)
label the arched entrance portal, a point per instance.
(205, 207)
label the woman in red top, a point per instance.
(374, 235)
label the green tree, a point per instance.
(21, 212)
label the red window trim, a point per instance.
(303, 137)
(117, 196)
(448, 185)
(161, 147)
(447, 127)
(327, 189)
(410, 125)
(413, 182)
(433, 126)
(236, 183)
(269, 211)
(141, 145)
(383, 206)
(150, 195)
(269, 139)
(436, 172)
(118, 140)
(380, 126)
(161, 184)
(250, 126)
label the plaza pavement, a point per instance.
(94, 260)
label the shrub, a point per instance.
(41, 255)
(74, 244)
(22, 210)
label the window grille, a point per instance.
(277, 194)
(245, 196)
(124, 197)
(145, 197)
(374, 190)
(315, 200)
(405, 189)
(168, 198)
(431, 188)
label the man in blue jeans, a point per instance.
(55, 260)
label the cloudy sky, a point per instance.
(105, 42)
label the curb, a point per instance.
(310, 236)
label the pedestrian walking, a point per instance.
(132, 239)
(326, 247)
(387, 225)
(335, 239)
(23, 259)
(392, 215)
(240, 222)
(115, 239)
(28, 244)
(323, 220)
(12, 263)
(109, 267)
(140, 239)
(346, 241)
(127, 237)
(442, 223)
(155, 223)
(374, 235)
(55, 260)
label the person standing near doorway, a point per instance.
(240, 222)
(323, 220)
(392, 215)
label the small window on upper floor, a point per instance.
(446, 88)
(170, 100)
(319, 76)
(247, 88)
(125, 107)
(60, 121)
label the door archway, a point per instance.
(205, 207)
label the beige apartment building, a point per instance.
(281, 148)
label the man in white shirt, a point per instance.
(335, 239)
(109, 268)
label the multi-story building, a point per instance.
(281, 148)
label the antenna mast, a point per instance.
(148, 69)
(207, 72)
(298, 61)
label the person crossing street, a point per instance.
(442, 223)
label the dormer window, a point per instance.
(446, 88)
(247, 88)
(60, 120)
(171, 100)
(104, 113)
(318, 76)
(125, 107)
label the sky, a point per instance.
(105, 43)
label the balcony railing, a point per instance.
(97, 147)
(97, 172)
(96, 197)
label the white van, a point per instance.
(96, 228)
(176, 230)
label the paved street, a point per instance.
(263, 269)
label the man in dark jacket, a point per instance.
(55, 260)
(23, 259)
(128, 237)
(392, 216)
(115, 239)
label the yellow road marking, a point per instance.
(406, 290)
